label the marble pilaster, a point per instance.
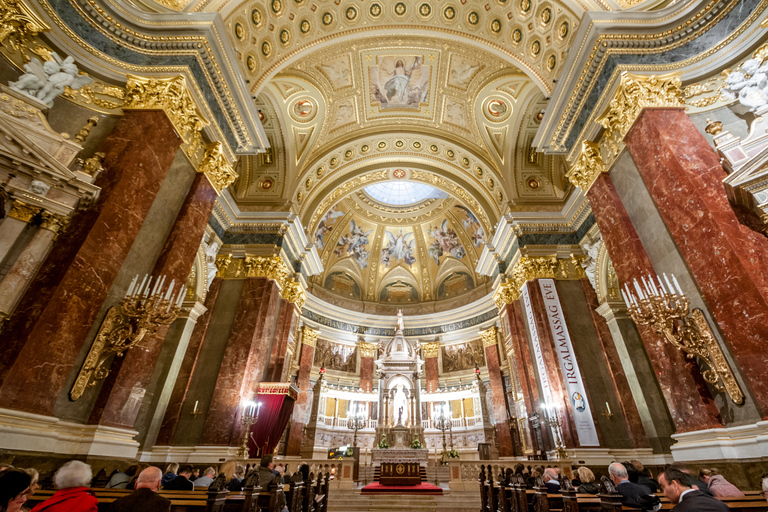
(690, 410)
(431, 373)
(684, 177)
(500, 412)
(513, 315)
(302, 402)
(245, 360)
(286, 322)
(366, 374)
(12, 226)
(55, 322)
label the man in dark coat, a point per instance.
(181, 482)
(677, 487)
(632, 495)
(145, 496)
(551, 482)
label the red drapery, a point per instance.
(277, 400)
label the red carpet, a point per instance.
(424, 488)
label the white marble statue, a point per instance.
(46, 81)
(590, 262)
(748, 84)
(400, 324)
(211, 250)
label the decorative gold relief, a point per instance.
(19, 25)
(636, 92)
(86, 130)
(431, 349)
(53, 222)
(216, 167)
(506, 293)
(489, 337)
(367, 349)
(23, 212)
(529, 268)
(588, 166)
(309, 336)
(171, 95)
(271, 267)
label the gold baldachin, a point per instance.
(529, 268)
(489, 337)
(216, 167)
(271, 267)
(588, 167)
(430, 349)
(637, 92)
(309, 336)
(367, 349)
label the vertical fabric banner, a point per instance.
(585, 425)
(546, 391)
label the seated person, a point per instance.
(676, 486)
(587, 479)
(122, 479)
(550, 481)
(633, 495)
(72, 481)
(207, 479)
(718, 485)
(181, 482)
(145, 496)
(266, 476)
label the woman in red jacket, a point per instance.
(73, 495)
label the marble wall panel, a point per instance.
(499, 402)
(431, 374)
(283, 332)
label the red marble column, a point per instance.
(513, 315)
(366, 374)
(549, 352)
(431, 374)
(175, 262)
(187, 370)
(245, 359)
(727, 259)
(301, 409)
(503, 437)
(689, 408)
(54, 321)
(621, 389)
(286, 321)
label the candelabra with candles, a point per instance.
(667, 310)
(249, 418)
(443, 423)
(552, 417)
(142, 311)
(356, 421)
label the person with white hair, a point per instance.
(207, 479)
(145, 496)
(73, 495)
(550, 481)
(632, 495)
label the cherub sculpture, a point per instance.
(46, 81)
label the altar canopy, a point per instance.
(277, 400)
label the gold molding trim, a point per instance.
(431, 349)
(271, 267)
(215, 166)
(530, 268)
(309, 336)
(588, 166)
(23, 212)
(367, 349)
(489, 337)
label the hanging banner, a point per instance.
(585, 425)
(537, 355)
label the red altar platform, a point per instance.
(423, 488)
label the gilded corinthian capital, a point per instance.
(309, 336)
(171, 95)
(215, 166)
(588, 167)
(23, 212)
(489, 337)
(271, 267)
(430, 349)
(636, 92)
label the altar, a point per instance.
(396, 466)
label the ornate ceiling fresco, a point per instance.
(399, 244)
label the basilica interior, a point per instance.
(498, 230)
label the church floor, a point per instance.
(355, 501)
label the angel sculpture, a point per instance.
(49, 80)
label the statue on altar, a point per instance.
(400, 416)
(400, 324)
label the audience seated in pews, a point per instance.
(695, 482)
(633, 495)
(676, 486)
(33, 485)
(73, 495)
(122, 479)
(587, 485)
(645, 477)
(145, 496)
(550, 481)
(171, 472)
(195, 475)
(718, 485)
(235, 484)
(266, 475)
(181, 482)
(204, 481)
(14, 485)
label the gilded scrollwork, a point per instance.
(309, 336)
(216, 167)
(271, 267)
(489, 337)
(367, 349)
(588, 166)
(528, 268)
(23, 212)
(18, 25)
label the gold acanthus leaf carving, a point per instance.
(506, 293)
(489, 337)
(430, 349)
(172, 96)
(18, 25)
(528, 268)
(588, 166)
(637, 92)
(309, 336)
(271, 267)
(367, 349)
(23, 212)
(215, 166)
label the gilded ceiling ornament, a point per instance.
(250, 61)
(431, 349)
(375, 10)
(473, 18)
(546, 16)
(239, 31)
(215, 166)
(277, 6)
(588, 166)
(562, 32)
(425, 10)
(636, 92)
(400, 8)
(285, 36)
(535, 48)
(256, 17)
(449, 13)
(309, 336)
(525, 6)
(351, 13)
(327, 18)
(304, 26)
(171, 95)
(19, 25)
(517, 35)
(367, 349)
(266, 48)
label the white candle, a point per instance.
(141, 286)
(669, 285)
(639, 291)
(170, 290)
(195, 409)
(653, 285)
(608, 407)
(149, 285)
(182, 292)
(160, 286)
(154, 290)
(674, 280)
(661, 285)
(626, 297)
(133, 285)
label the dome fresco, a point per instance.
(372, 256)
